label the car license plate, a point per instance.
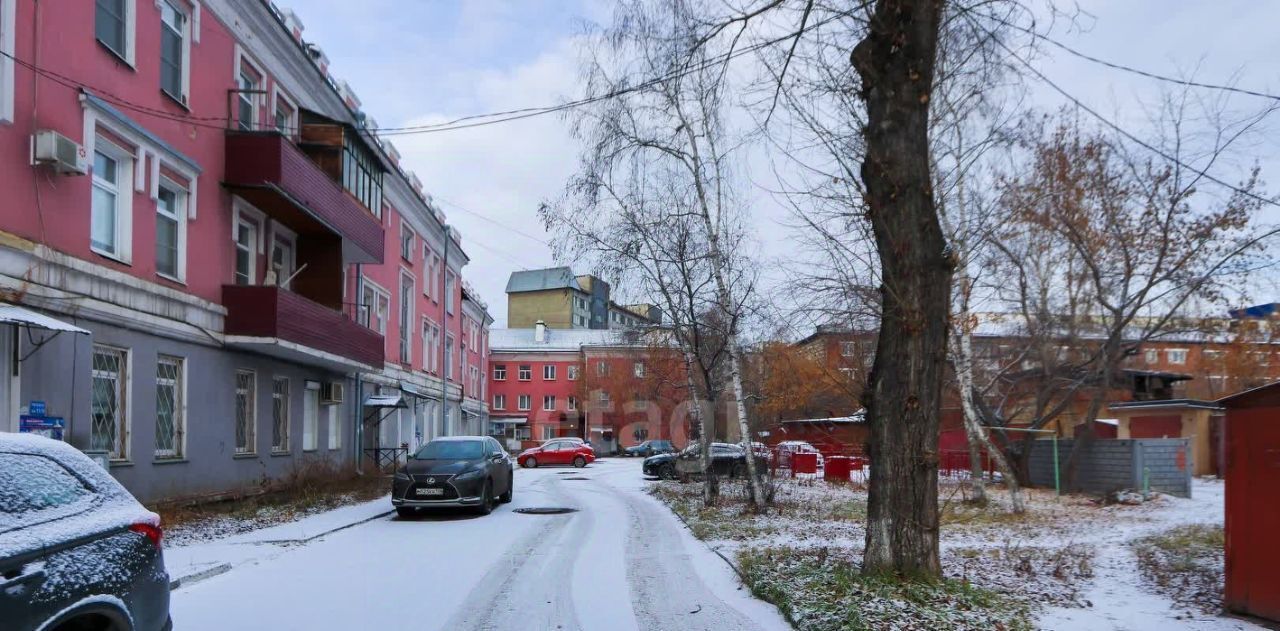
(430, 491)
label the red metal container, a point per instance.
(1253, 502)
(804, 463)
(837, 468)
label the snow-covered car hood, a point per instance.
(440, 467)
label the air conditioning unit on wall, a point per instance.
(65, 155)
(331, 392)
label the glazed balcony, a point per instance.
(270, 172)
(278, 322)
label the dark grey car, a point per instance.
(77, 551)
(454, 471)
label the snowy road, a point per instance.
(621, 561)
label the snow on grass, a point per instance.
(190, 525)
(1070, 560)
(820, 591)
(1185, 563)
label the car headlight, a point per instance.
(402, 476)
(470, 475)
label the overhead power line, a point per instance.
(1130, 69)
(464, 122)
(1204, 173)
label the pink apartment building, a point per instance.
(211, 269)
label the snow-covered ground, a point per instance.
(621, 561)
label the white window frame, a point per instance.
(602, 368)
(282, 235)
(187, 12)
(431, 344)
(548, 372)
(572, 372)
(548, 432)
(181, 197)
(240, 60)
(334, 426)
(1152, 356)
(310, 415)
(380, 295)
(251, 413)
(499, 401)
(496, 375)
(180, 407)
(571, 403)
(406, 315)
(129, 54)
(1171, 353)
(450, 348)
(119, 452)
(279, 96)
(450, 284)
(524, 402)
(8, 13)
(123, 191)
(638, 370)
(524, 372)
(548, 403)
(408, 238)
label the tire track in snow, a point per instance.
(666, 592)
(529, 585)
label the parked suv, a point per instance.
(650, 448)
(77, 551)
(726, 459)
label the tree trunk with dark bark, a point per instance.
(895, 63)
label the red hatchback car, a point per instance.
(557, 452)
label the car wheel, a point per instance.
(406, 511)
(531, 463)
(486, 499)
(667, 471)
(511, 484)
(579, 462)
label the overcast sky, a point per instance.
(425, 61)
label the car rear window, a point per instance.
(451, 450)
(33, 484)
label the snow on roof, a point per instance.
(858, 417)
(556, 339)
(540, 279)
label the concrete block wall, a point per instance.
(1165, 464)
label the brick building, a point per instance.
(611, 387)
(248, 263)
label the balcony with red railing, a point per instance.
(279, 322)
(269, 171)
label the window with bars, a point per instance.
(110, 424)
(171, 417)
(246, 412)
(280, 414)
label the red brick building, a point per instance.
(613, 387)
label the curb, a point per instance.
(318, 535)
(223, 568)
(189, 579)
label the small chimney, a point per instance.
(540, 332)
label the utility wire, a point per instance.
(495, 222)
(1130, 69)
(464, 122)
(1126, 133)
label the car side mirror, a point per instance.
(498, 457)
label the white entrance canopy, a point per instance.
(394, 400)
(13, 314)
